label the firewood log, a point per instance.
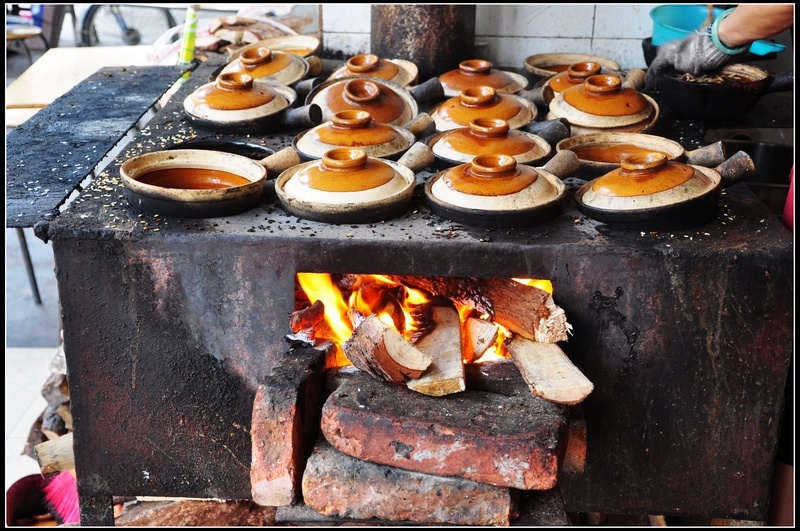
(526, 310)
(443, 344)
(381, 351)
(549, 373)
(55, 456)
(479, 335)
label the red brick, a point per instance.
(335, 484)
(285, 424)
(513, 441)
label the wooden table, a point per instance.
(60, 69)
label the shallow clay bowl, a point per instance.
(549, 64)
(193, 183)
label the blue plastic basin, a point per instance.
(671, 22)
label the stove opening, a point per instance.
(398, 328)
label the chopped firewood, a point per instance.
(443, 344)
(55, 456)
(381, 351)
(479, 335)
(65, 413)
(526, 310)
(549, 373)
(308, 317)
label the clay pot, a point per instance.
(480, 73)
(271, 66)
(483, 102)
(354, 129)
(549, 64)
(194, 183)
(603, 103)
(385, 101)
(601, 153)
(737, 89)
(650, 192)
(302, 45)
(346, 186)
(494, 191)
(235, 101)
(488, 136)
(399, 71)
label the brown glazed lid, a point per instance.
(233, 91)
(490, 175)
(346, 170)
(495, 183)
(399, 71)
(269, 65)
(379, 99)
(479, 72)
(355, 129)
(575, 74)
(483, 102)
(643, 174)
(236, 97)
(487, 136)
(604, 95)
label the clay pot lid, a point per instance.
(399, 71)
(483, 102)
(265, 64)
(497, 183)
(479, 72)
(487, 136)
(355, 129)
(347, 176)
(378, 97)
(648, 180)
(602, 102)
(604, 95)
(575, 74)
(235, 96)
(302, 45)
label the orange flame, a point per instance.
(397, 305)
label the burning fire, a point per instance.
(352, 298)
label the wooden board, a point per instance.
(60, 69)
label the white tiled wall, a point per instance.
(514, 32)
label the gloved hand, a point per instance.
(695, 53)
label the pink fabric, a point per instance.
(788, 207)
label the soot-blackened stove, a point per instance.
(170, 325)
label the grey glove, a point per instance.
(694, 53)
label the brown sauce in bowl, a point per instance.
(611, 152)
(192, 178)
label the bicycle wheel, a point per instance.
(124, 25)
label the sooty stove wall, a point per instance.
(170, 324)
(686, 337)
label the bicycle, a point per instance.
(124, 24)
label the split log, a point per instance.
(55, 456)
(443, 344)
(549, 373)
(479, 335)
(526, 310)
(381, 351)
(307, 318)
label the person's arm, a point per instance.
(750, 22)
(721, 41)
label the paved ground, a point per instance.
(28, 324)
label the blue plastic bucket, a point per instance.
(676, 21)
